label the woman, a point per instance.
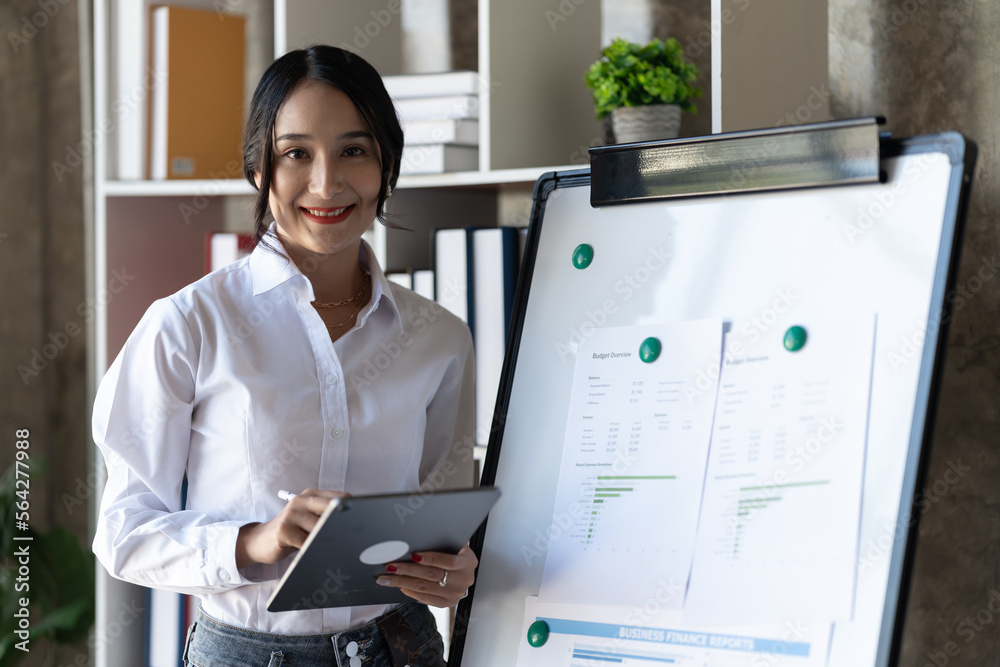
(259, 377)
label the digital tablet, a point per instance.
(356, 536)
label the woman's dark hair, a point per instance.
(346, 72)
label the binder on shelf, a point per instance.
(423, 283)
(420, 281)
(436, 84)
(475, 276)
(222, 248)
(131, 86)
(196, 109)
(403, 278)
(451, 271)
(492, 280)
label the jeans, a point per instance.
(405, 636)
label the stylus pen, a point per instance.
(286, 495)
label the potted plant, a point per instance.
(643, 88)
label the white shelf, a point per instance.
(223, 187)
(177, 188)
(496, 177)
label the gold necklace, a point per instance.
(334, 304)
(354, 313)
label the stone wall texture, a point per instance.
(43, 340)
(932, 66)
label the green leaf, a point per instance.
(10, 656)
(64, 619)
(630, 74)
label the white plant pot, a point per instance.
(647, 123)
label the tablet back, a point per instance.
(356, 536)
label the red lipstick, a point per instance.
(322, 216)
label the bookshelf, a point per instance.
(535, 116)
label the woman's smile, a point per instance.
(327, 216)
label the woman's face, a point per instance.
(326, 175)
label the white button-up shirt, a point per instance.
(234, 382)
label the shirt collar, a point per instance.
(269, 269)
(270, 266)
(380, 286)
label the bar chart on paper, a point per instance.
(613, 500)
(633, 654)
(593, 655)
(635, 446)
(782, 500)
(750, 502)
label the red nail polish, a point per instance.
(391, 568)
(416, 558)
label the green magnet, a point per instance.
(650, 350)
(795, 338)
(583, 256)
(538, 633)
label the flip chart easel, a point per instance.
(839, 218)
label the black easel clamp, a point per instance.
(819, 154)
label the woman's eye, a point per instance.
(354, 151)
(295, 154)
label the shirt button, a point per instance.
(355, 661)
(337, 433)
(351, 649)
(331, 379)
(224, 575)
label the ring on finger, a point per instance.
(444, 580)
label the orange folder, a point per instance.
(196, 109)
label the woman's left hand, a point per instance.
(434, 578)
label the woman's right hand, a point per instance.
(278, 538)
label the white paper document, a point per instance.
(583, 636)
(633, 465)
(780, 517)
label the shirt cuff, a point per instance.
(223, 557)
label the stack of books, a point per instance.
(420, 281)
(440, 117)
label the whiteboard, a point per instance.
(887, 248)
